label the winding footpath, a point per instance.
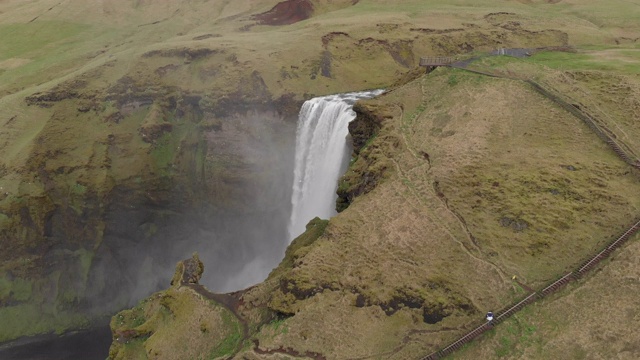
(585, 266)
(231, 301)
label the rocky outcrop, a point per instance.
(370, 164)
(167, 320)
(188, 271)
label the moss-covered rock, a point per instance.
(290, 289)
(175, 324)
(370, 161)
(188, 271)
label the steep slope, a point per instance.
(134, 132)
(592, 319)
(483, 251)
(463, 197)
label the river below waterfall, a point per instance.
(90, 344)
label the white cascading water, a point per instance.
(321, 156)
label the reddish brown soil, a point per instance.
(287, 351)
(286, 12)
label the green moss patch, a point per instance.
(176, 323)
(300, 246)
(22, 40)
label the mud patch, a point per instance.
(324, 66)
(186, 53)
(402, 52)
(286, 13)
(206, 36)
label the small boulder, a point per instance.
(188, 271)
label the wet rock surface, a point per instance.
(366, 170)
(87, 344)
(188, 271)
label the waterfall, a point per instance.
(322, 155)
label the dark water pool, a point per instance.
(90, 344)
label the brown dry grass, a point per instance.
(507, 159)
(614, 100)
(596, 318)
(403, 235)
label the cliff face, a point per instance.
(134, 133)
(119, 186)
(367, 168)
(468, 195)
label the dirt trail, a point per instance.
(288, 351)
(229, 301)
(438, 195)
(584, 267)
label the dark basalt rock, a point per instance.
(518, 225)
(365, 126)
(370, 167)
(186, 53)
(188, 271)
(432, 311)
